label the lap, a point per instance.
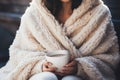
(71, 77)
(44, 76)
(52, 76)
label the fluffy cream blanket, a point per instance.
(88, 35)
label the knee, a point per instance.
(71, 78)
(44, 76)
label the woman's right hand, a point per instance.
(47, 67)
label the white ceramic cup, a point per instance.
(58, 58)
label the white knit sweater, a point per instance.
(88, 34)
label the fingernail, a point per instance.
(50, 63)
(63, 69)
(66, 65)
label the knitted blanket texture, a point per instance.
(88, 34)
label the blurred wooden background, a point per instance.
(10, 14)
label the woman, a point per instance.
(82, 27)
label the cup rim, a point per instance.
(57, 52)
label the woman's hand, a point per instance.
(70, 68)
(47, 67)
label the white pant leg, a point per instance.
(71, 77)
(44, 76)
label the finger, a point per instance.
(65, 72)
(67, 69)
(49, 70)
(52, 69)
(72, 58)
(73, 63)
(47, 64)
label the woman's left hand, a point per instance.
(70, 68)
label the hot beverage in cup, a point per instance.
(58, 58)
